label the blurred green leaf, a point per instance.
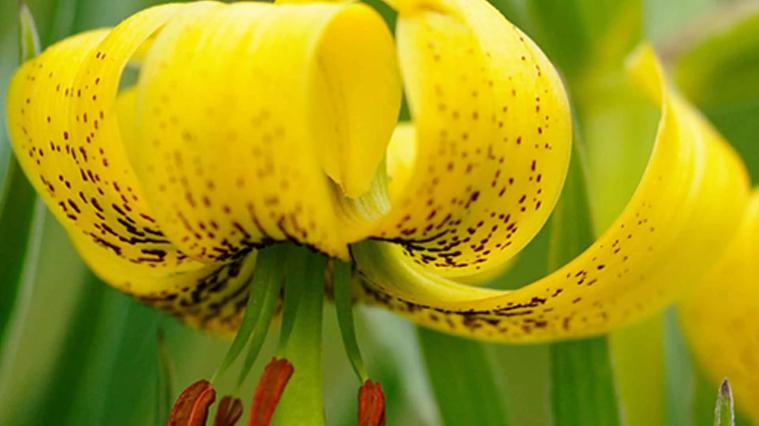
(582, 385)
(164, 384)
(680, 376)
(21, 224)
(663, 19)
(716, 64)
(582, 34)
(93, 379)
(617, 128)
(463, 379)
(716, 60)
(29, 40)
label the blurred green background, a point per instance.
(76, 352)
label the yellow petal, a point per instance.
(492, 138)
(66, 135)
(249, 123)
(210, 297)
(246, 110)
(686, 208)
(720, 316)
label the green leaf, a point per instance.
(617, 127)
(716, 65)
(582, 391)
(21, 227)
(463, 380)
(105, 360)
(585, 35)
(680, 374)
(164, 388)
(29, 40)
(725, 45)
(724, 412)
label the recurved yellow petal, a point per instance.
(67, 129)
(65, 132)
(686, 209)
(491, 138)
(246, 111)
(720, 316)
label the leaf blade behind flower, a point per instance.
(463, 379)
(582, 386)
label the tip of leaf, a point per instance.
(724, 411)
(724, 389)
(29, 40)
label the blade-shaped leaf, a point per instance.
(463, 379)
(20, 226)
(164, 390)
(716, 64)
(724, 411)
(582, 379)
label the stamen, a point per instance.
(191, 408)
(273, 381)
(229, 412)
(341, 280)
(255, 323)
(371, 404)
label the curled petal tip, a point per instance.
(269, 390)
(371, 404)
(191, 408)
(229, 412)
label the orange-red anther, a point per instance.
(371, 404)
(270, 387)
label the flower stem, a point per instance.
(300, 341)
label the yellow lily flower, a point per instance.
(718, 317)
(256, 123)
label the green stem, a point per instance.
(302, 402)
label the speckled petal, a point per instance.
(66, 130)
(249, 123)
(491, 138)
(720, 316)
(686, 208)
(62, 122)
(247, 110)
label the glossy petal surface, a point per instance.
(249, 123)
(661, 244)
